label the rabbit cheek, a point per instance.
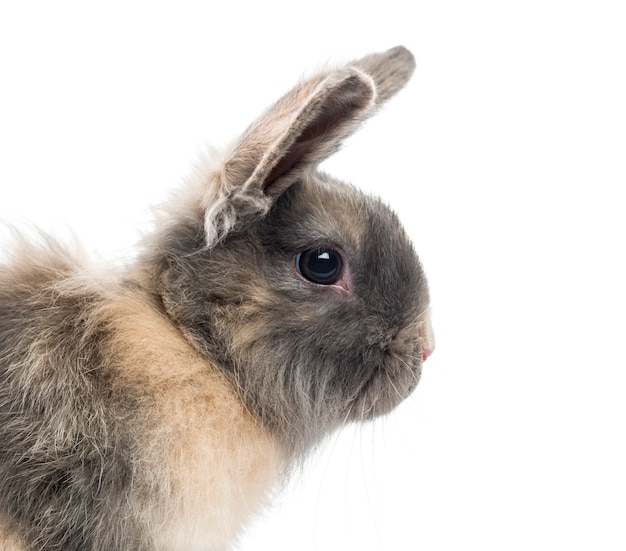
(397, 373)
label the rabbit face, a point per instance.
(364, 329)
(306, 293)
(307, 355)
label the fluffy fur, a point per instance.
(154, 408)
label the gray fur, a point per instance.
(65, 452)
(316, 360)
(303, 359)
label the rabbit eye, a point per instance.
(321, 266)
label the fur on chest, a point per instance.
(204, 466)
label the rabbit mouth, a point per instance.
(397, 370)
(393, 378)
(390, 383)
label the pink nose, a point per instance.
(428, 337)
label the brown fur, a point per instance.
(216, 460)
(9, 538)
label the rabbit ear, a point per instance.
(299, 131)
(390, 70)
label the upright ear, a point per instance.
(295, 134)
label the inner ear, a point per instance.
(298, 150)
(339, 110)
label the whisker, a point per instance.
(413, 371)
(394, 386)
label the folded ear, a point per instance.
(299, 131)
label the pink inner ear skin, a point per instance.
(308, 141)
(340, 108)
(298, 150)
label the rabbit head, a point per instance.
(305, 292)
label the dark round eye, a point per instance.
(322, 266)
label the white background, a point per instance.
(505, 157)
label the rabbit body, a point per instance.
(155, 407)
(116, 433)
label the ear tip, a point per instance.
(403, 55)
(402, 60)
(390, 70)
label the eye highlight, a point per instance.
(322, 266)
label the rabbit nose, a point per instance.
(428, 336)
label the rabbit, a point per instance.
(159, 404)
